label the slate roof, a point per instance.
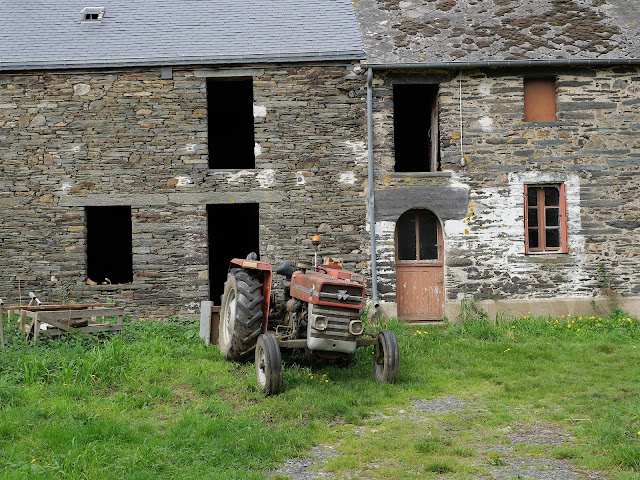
(51, 33)
(432, 31)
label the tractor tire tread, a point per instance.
(248, 324)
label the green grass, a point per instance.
(154, 403)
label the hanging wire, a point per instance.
(462, 159)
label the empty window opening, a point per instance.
(230, 123)
(415, 128)
(233, 232)
(545, 219)
(109, 245)
(92, 14)
(419, 237)
(540, 99)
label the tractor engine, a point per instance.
(323, 306)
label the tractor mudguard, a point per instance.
(265, 277)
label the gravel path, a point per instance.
(509, 464)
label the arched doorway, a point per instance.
(419, 266)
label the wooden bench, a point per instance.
(65, 318)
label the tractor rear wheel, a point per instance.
(268, 364)
(386, 358)
(241, 315)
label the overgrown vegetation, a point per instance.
(154, 402)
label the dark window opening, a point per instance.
(230, 124)
(418, 236)
(233, 231)
(545, 219)
(415, 127)
(540, 99)
(109, 245)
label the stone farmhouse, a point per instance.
(506, 138)
(445, 149)
(144, 143)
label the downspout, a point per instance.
(372, 209)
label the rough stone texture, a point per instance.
(593, 148)
(421, 31)
(129, 137)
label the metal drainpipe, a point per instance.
(372, 210)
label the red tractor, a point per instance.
(320, 314)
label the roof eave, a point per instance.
(183, 61)
(574, 62)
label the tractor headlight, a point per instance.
(320, 322)
(356, 327)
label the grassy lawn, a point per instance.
(154, 403)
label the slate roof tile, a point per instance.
(51, 33)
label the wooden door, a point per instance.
(419, 266)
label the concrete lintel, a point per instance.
(186, 198)
(253, 196)
(228, 72)
(447, 202)
(114, 199)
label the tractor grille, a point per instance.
(339, 293)
(338, 323)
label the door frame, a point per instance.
(439, 262)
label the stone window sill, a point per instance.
(446, 174)
(118, 286)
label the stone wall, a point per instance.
(131, 137)
(593, 147)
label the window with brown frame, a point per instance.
(545, 219)
(540, 99)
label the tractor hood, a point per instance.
(320, 288)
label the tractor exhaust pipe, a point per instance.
(315, 241)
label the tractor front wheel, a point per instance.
(241, 315)
(268, 364)
(386, 358)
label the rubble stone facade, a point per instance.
(593, 148)
(134, 137)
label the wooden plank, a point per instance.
(36, 327)
(23, 322)
(98, 327)
(37, 308)
(60, 325)
(69, 314)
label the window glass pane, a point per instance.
(551, 196)
(532, 196)
(553, 237)
(428, 233)
(533, 217)
(533, 238)
(552, 217)
(407, 236)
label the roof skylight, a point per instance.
(92, 14)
